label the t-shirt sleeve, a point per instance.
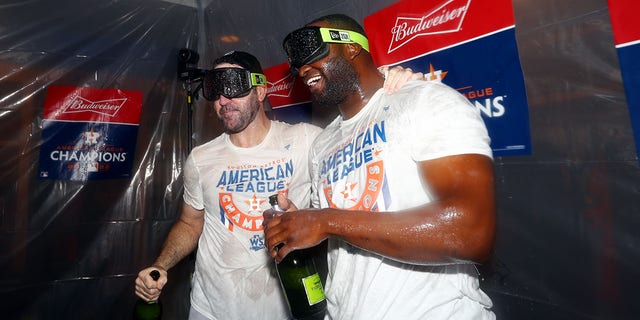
(313, 132)
(445, 123)
(192, 190)
(315, 176)
(314, 169)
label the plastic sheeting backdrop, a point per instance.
(568, 214)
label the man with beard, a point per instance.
(227, 182)
(403, 187)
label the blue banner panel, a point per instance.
(468, 45)
(85, 150)
(626, 34)
(89, 133)
(486, 72)
(630, 68)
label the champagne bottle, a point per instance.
(300, 281)
(148, 310)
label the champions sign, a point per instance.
(89, 133)
(626, 33)
(467, 44)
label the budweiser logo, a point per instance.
(446, 18)
(109, 107)
(281, 88)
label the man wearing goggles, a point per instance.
(227, 182)
(403, 187)
(232, 82)
(233, 78)
(311, 43)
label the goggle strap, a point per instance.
(258, 79)
(344, 36)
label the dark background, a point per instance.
(567, 243)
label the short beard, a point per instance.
(341, 80)
(247, 115)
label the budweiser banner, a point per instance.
(289, 97)
(626, 34)
(89, 133)
(469, 45)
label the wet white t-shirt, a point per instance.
(370, 162)
(234, 276)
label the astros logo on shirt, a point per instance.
(249, 219)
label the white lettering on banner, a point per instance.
(492, 108)
(444, 19)
(91, 156)
(281, 88)
(108, 107)
(485, 101)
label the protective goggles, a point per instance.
(309, 44)
(230, 82)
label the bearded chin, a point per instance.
(341, 81)
(237, 123)
(325, 100)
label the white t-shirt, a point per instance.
(370, 162)
(234, 276)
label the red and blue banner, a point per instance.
(289, 98)
(89, 133)
(469, 45)
(626, 34)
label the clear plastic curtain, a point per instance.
(567, 239)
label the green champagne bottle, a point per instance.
(148, 310)
(300, 281)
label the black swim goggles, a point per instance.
(230, 83)
(310, 44)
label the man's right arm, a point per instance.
(182, 240)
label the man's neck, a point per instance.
(253, 134)
(369, 86)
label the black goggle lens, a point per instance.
(304, 46)
(230, 83)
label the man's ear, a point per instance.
(262, 92)
(353, 50)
